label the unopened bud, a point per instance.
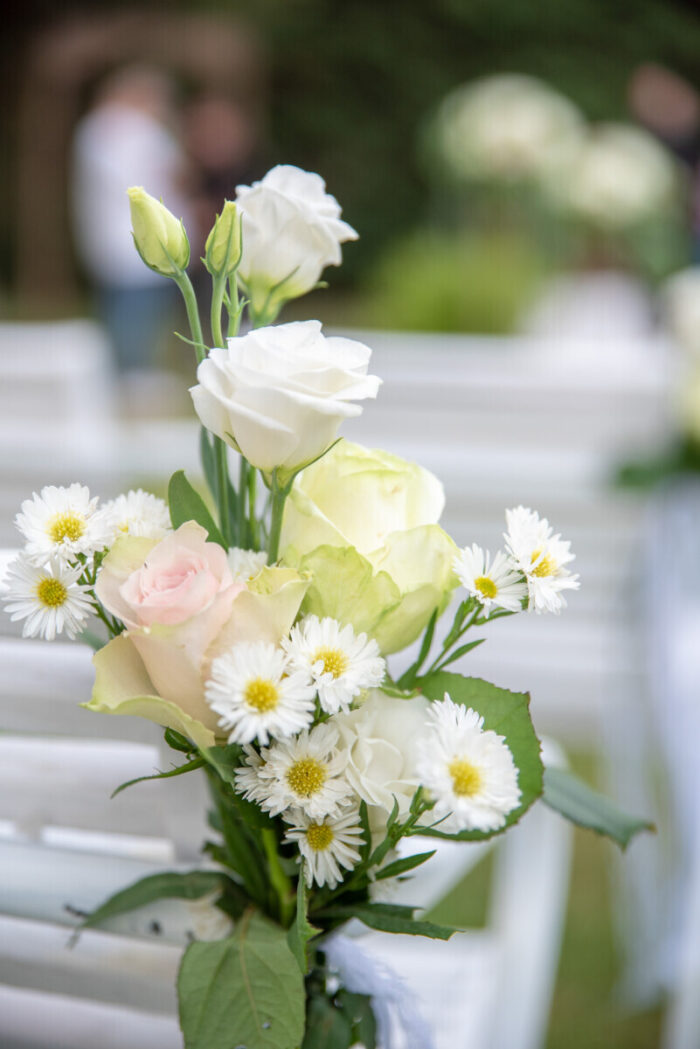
(223, 247)
(160, 238)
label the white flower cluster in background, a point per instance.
(531, 573)
(507, 127)
(50, 583)
(511, 128)
(618, 177)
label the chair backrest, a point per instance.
(57, 411)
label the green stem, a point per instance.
(187, 291)
(253, 524)
(279, 496)
(243, 470)
(278, 879)
(217, 300)
(234, 309)
(222, 483)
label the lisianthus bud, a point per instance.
(160, 238)
(223, 247)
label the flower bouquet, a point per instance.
(253, 621)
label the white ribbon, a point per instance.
(399, 1024)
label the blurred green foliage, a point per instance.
(444, 283)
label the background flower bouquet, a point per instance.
(255, 624)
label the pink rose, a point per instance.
(180, 578)
(174, 596)
(177, 598)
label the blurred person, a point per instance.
(127, 139)
(222, 139)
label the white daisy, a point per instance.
(327, 845)
(245, 564)
(247, 775)
(255, 696)
(340, 663)
(139, 513)
(492, 583)
(468, 770)
(305, 773)
(541, 557)
(63, 522)
(49, 597)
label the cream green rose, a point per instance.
(182, 609)
(363, 525)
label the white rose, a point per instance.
(279, 394)
(292, 230)
(381, 738)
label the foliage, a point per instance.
(443, 283)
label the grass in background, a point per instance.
(585, 1013)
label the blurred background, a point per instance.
(525, 180)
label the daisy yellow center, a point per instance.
(51, 592)
(66, 526)
(319, 836)
(306, 776)
(486, 586)
(334, 661)
(262, 695)
(466, 778)
(547, 566)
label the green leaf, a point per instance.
(301, 930)
(246, 990)
(177, 741)
(189, 766)
(408, 863)
(504, 712)
(366, 846)
(388, 917)
(579, 803)
(167, 885)
(187, 505)
(327, 1027)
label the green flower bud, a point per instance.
(160, 238)
(223, 247)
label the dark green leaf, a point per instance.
(506, 713)
(177, 741)
(389, 918)
(366, 832)
(166, 885)
(187, 505)
(326, 1026)
(246, 990)
(579, 803)
(301, 930)
(243, 851)
(359, 1008)
(408, 863)
(189, 766)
